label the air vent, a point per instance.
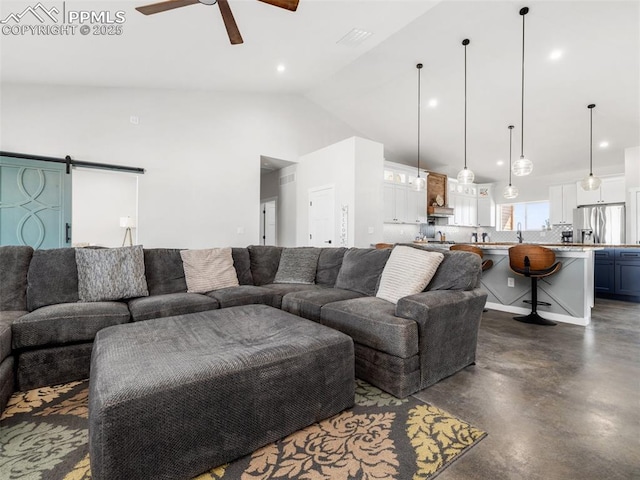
(288, 179)
(354, 38)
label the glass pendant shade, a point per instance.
(510, 192)
(418, 184)
(522, 167)
(465, 176)
(590, 182)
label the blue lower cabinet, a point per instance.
(605, 276)
(617, 273)
(627, 279)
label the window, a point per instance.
(530, 215)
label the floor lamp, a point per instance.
(128, 223)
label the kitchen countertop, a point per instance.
(511, 244)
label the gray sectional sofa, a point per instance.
(46, 334)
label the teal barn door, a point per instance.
(35, 203)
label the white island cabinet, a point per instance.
(570, 291)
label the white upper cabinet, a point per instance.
(401, 203)
(464, 201)
(486, 206)
(611, 191)
(562, 201)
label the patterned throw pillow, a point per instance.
(210, 269)
(111, 274)
(298, 265)
(407, 272)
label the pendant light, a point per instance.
(590, 182)
(523, 165)
(465, 176)
(510, 191)
(419, 183)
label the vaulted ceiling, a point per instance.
(372, 86)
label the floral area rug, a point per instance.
(44, 435)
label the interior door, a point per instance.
(268, 227)
(322, 223)
(35, 203)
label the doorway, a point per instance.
(322, 225)
(268, 225)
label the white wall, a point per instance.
(632, 183)
(368, 212)
(354, 167)
(99, 199)
(201, 150)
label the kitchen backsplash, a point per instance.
(398, 233)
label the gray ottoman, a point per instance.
(173, 397)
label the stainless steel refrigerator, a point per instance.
(599, 224)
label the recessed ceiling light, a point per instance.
(281, 68)
(433, 102)
(499, 163)
(556, 54)
(604, 144)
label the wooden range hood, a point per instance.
(437, 185)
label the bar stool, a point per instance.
(382, 246)
(486, 264)
(535, 262)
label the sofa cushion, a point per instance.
(6, 320)
(371, 321)
(158, 306)
(245, 295)
(408, 271)
(242, 264)
(361, 270)
(459, 270)
(209, 269)
(307, 304)
(66, 323)
(282, 289)
(298, 265)
(329, 263)
(52, 278)
(111, 273)
(164, 272)
(264, 263)
(14, 264)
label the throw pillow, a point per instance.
(111, 274)
(298, 265)
(407, 272)
(361, 269)
(209, 269)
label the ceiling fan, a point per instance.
(225, 11)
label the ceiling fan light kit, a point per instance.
(225, 10)
(419, 183)
(523, 166)
(590, 182)
(465, 176)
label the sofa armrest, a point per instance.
(448, 323)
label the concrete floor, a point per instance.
(557, 402)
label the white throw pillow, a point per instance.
(210, 269)
(408, 271)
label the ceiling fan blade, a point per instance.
(164, 6)
(229, 22)
(288, 4)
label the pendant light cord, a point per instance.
(419, 67)
(465, 42)
(523, 12)
(510, 138)
(591, 107)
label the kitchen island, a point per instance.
(570, 291)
